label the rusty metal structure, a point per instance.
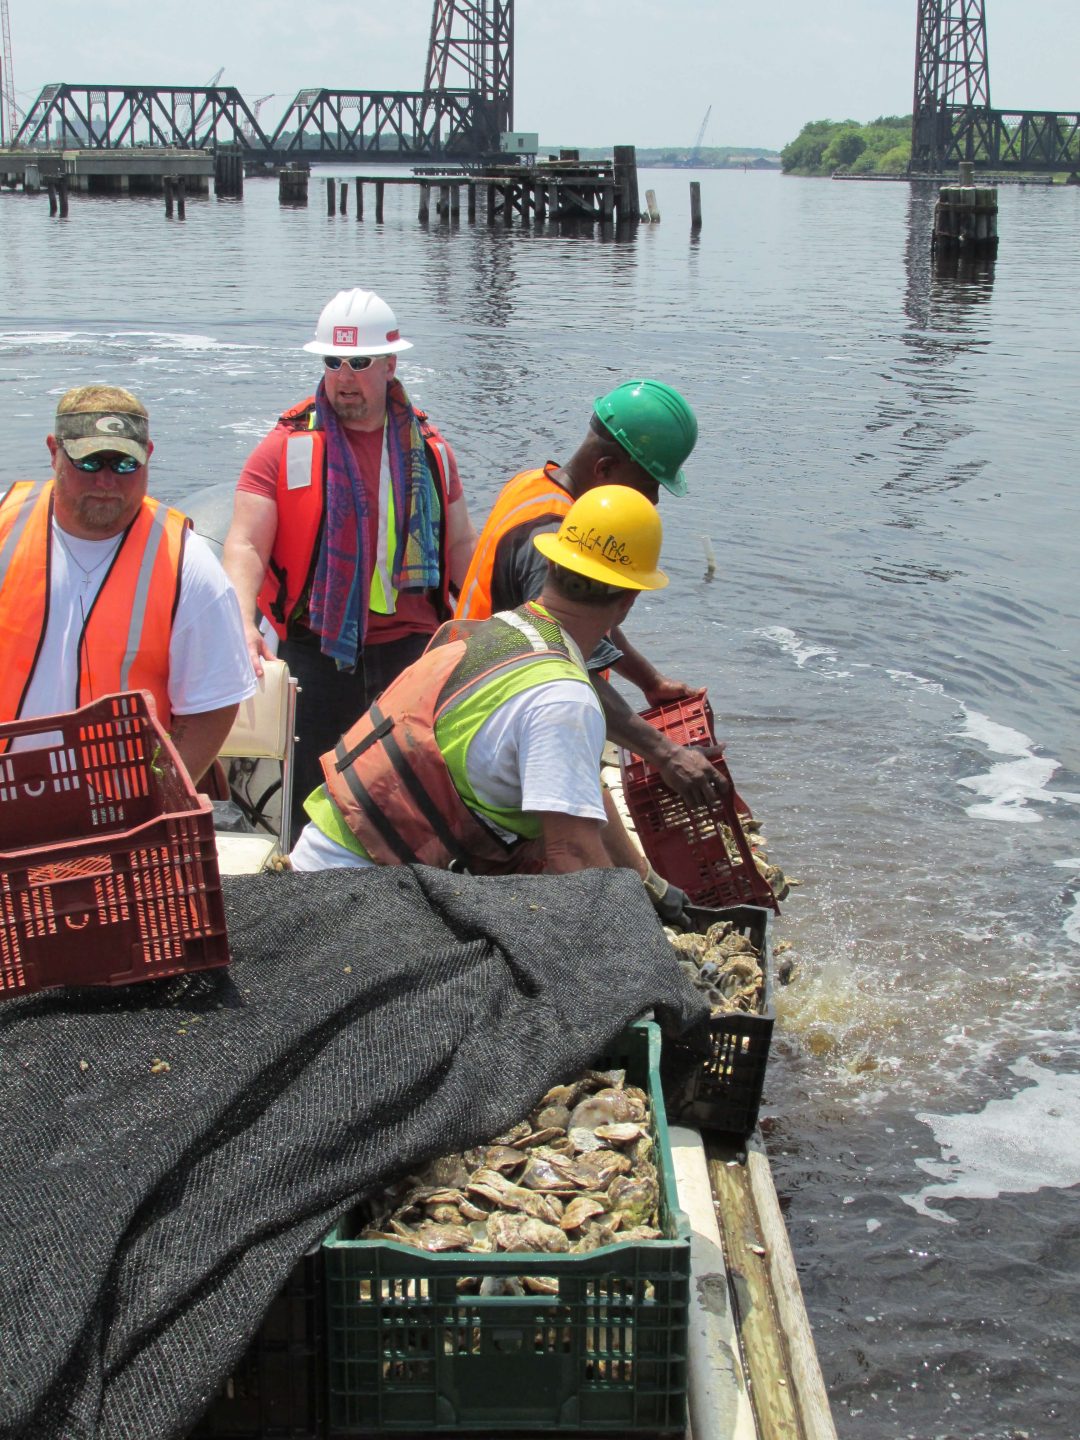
(111, 117)
(466, 103)
(952, 118)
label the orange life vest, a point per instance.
(388, 775)
(526, 498)
(124, 644)
(301, 502)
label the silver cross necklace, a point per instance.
(89, 581)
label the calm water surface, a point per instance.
(887, 473)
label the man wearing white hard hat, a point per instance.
(349, 529)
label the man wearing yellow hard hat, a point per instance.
(640, 434)
(485, 752)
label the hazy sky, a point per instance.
(588, 72)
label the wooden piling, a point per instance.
(695, 204)
(167, 186)
(181, 198)
(444, 202)
(62, 196)
(455, 202)
(50, 190)
(330, 205)
(380, 188)
(425, 203)
(229, 171)
(292, 185)
(965, 217)
(627, 204)
(343, 198)
(359, 198)
(651, 207)
(490, 188)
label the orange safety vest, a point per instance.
(390, 780)
(124, 644)
(528, 497)
(301, 502)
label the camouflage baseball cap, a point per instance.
(96, 418)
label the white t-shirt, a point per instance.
(539, 751)
(209, 665)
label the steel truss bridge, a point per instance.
(466, 104)
(952, 119)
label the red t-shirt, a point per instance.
(415, 613)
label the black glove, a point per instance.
(668, 900)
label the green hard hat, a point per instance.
(654, 425)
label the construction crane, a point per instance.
(256, 106)
(8, 121)
(695, 154)
(215, 78)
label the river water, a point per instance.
(887, 474)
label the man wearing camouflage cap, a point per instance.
(103, 589)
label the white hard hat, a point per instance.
(357, 322)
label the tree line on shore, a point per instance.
(881, 147)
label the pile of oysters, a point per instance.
(725, 965)
(575, 1175)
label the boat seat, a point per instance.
(264, 729)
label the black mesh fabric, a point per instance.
(370, 1020)
(490, 645)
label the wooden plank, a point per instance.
(756, 1316)
(812, 1399)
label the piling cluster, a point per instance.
(965, 217)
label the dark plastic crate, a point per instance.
(723, 1092)
(108, 866)
(277, 1391)
(606, 1355)
(686, 843)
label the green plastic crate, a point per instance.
(606, 1354)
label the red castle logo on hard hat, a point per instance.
(345, 335)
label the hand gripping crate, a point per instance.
(108, 870)
(723, 1092)
(606, 1354)
(277, 1391)
(701, 848)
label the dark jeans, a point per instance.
(332, 700)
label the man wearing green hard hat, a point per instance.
(640, 435)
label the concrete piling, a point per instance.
(652, 210)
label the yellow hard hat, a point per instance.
(612, 534)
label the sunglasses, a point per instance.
(118, 464)
(354, 362)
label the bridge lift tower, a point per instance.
(951, 73)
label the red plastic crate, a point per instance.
(685, 843)
(108, 867)
(687, 722)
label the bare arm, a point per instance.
(689, 772)
(656, 688)
(245, 557)
(572, 843)
(461, 539)
(198, 738)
